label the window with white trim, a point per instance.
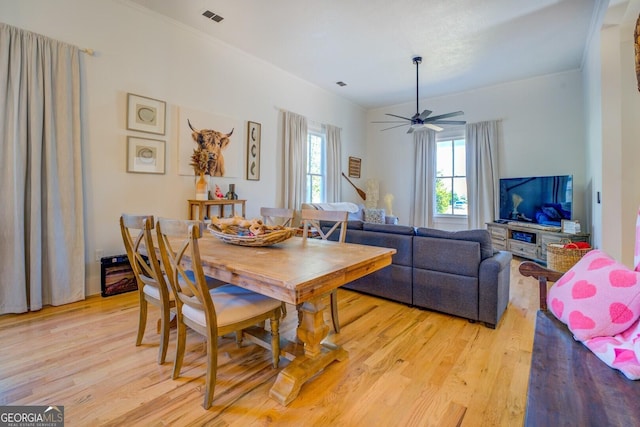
(451, 176)
(316, 167)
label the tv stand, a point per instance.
(528, 240)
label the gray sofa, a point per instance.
(457, 273)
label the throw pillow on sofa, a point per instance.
(597, 297)
(375, 216)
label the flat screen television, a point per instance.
(543, 200)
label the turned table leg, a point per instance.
(317, 356)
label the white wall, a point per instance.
(140, 52)
(543, 134)
(613, 133)
(592, 71)
(611, 143)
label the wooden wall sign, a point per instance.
(354, 167)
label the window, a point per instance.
(316, 170)
(451, 180)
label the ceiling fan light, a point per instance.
(434, 127)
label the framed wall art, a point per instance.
(354, 167)
(211, 126)
(145, 114)
(145, 155)
(253, 151)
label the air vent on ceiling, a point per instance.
(341, 84)
(212, 16)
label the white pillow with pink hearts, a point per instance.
(597, 297)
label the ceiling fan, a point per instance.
(424, 119)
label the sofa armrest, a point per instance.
(493, 287)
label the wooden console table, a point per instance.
(528, 242)
(204, 206)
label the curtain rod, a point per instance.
(88, 51)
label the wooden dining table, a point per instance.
(299, 272)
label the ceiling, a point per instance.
(369, 44)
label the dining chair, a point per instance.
(277, 216)
(209, 312)
(152, 286)
(313, 218)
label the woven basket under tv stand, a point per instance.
(527, 241)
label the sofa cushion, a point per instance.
(445, 292)
(393, 282)
(456, 257)
(597, 297)
(477, 235)
(389, 228)
(355, 224)
(402, 243)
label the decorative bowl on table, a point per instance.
(241, 236)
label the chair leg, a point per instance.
(239, 338)
(334, 311)
(142, 319)
(275, 339)
(212, 367)
(180, 345)
(284, 310)
(165, 322)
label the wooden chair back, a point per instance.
(183, 266)
(152, 286)
(277, 216)
(195, 301)
(146, 273)
(313, 217)
(543, 275)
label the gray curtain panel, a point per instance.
(295, 159)
(424, 178)
(483, 176)
(41, 215)
(334, 163)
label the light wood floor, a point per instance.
(406, 367)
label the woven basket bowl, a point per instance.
(267, 239)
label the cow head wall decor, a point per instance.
(214, 143)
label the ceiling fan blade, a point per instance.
(400, 117)
(444, 116)
(393, 127)
(449, 122)
(424, 114)
(389, 121)
(433, 127)
(411, 129)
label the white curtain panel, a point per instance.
(295, 159)
(424, 176)
(334, 163)
(482, 141)
(41, 215)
